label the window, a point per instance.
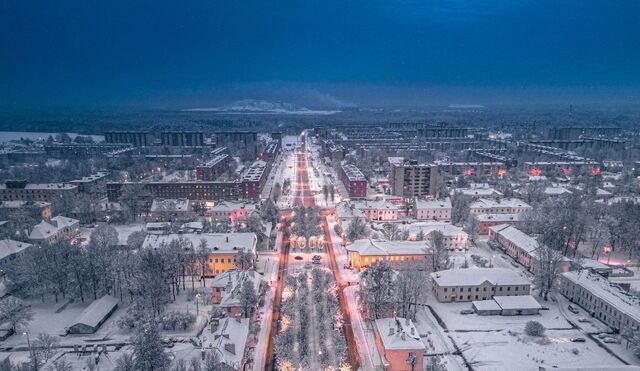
(445, 289)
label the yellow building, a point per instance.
(223, 248)
(363, 253)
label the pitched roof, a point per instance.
(96, 311)
(11, 247)
(384, 248)
(477, 276)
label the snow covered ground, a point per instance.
(504, 350)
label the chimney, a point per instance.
(403, 336)
(227, 238)
(412, 331)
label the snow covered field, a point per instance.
(502, 350)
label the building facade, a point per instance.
(410, 179)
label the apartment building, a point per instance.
(182, 138)
(135, 138)
(354, 181)
(214, 168)
(498, 206)
(409, 179)
(20, 190)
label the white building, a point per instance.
(378, 210)
(453, 237)
(11, 249)
(611, 305)
(439, 210)
(231, 212)
(478, 284)
(55, 229)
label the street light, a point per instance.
(198, 296)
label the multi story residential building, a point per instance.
(94, 185)
(222, 248)
(254, 179)
(192, 190)
(363, 253)
(478, 284)
(20, 190)
(214, 168)
(24, 210)
(399, 343)
(604, 301)
(516, 243)
(502, 206)
(432, 209)
(246, 141)
(135, 138)
(354, 181)
(182, 138)
(410, 179)
(75, 150)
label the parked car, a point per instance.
(573, 309)
(297, 257)
(578, 340)
(583, 320)
(610, 340)
(603, 335)
(467, 311)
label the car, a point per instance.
(467, 311)
(610, 340)
(298, 257)
(316, 257)
(583, 320)
(315, 261)
(578, 340)
(573, 309)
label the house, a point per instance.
(231, 212)
(170, 209)
(229, 340)
(478, 284)
(399, 343)
(90, 320)
(9, 250)
(486, 221)
(363, 253)
(453, 237)
(502, 206)
(601, 299)
(222, 248)
(439, 210)
(483, 191)
(227, 287)
(378, 210)
(55, 229)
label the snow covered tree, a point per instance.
(391, 231)
(248, 297)
(440, 259)
(136, 239)
(148, 351)
(377, 285)
(357, 229)
(15, 313)
(244, 259)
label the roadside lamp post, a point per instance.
(198, 296)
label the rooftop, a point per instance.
(217, 243)
(385, 248)
(477, 276)
(398, 333)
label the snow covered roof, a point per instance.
(517, 302)
(398, 333)
(517, 237)
(601, 288)
(231, 296)
(230, 339)
(488, 203)
(231, 206)
(344, 210)
(485, 305)
(45, 230)
(476, 276)
(477, 192)
(11, 247)
(447, 229)
(19, 204)
(433, 204)
(96, 311)
(384, 248)
(501, 218)
(63, 221)
(217, 243)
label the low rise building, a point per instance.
(432, 209)
(171, 210)
(453, 237)
(10, 250)
(399, 343)
(231, 212)
(227, 289)
(363, 253)
(54, 230)
(486, 221)
(508, 306)
(604, 301)
(222, 248)
(516, 243)
(454, 285)
(502, 206)
(24, 210)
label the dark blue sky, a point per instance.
(146, 53)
